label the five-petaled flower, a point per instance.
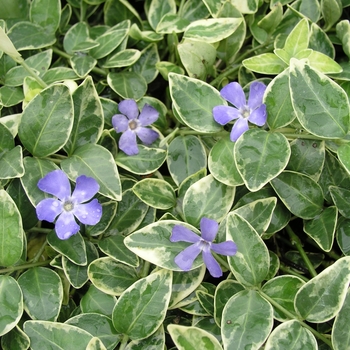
(253, 111)
(68, 205)
(204, 244)
(130, 123)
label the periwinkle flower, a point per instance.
(66, 206)
(204, 244)
(131, 124)
(252, 110)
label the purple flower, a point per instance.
(204, 244)
(130, 123)
(253, 111)
(68, 205)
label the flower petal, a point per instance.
(211, 264)
(129, 108)
(234, 93)
(238, 129)
(66, 226)
(148, 115)
(85, 188)
(147, 136)
(56, 183)
(120, 123)
(88, 213)
(182, 234)
(48, 209)
(224, 114)
(258, 116)
(225, 248)
(209, 229)
(256, 94)
(185, 259)
(128, 144)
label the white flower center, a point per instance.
(68, 205)
(133, 124)
(204, 245)
(245, 112)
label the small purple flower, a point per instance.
(130, 123)
(253, 111)
(204, 244)
(68, 205)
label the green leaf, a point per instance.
(114, 247)
(28, 36)
(198, 58)
(95, 301)
(344, 156)
(146, 64)
(343, 33)
(328, 114)
(260, 156)
(246, 321)
(272, 19)
(122, 58)
(307, 157)
(340, 198)
(141, 309)
(42, 293)
(147, 161)
(322, 228)
(110, 40)
(207, 197)
(59, 73)
(10, 96)
(221, 163)
(251, 263)
(212, 30)
(82, 64)
(192, 337)
(186, 156)
(246, 6)
(266, 63)
(147, 36)
(15, 338)
(292, 335)
(47, 121)
(77, 39)
(11, 164)
(331, 12)
(152, 243)
(319, 41)
(278, 102)
(343, 235)
(194, 101)
(98, 326)
(320, 299)
(300, 194)
(282, 289)
(11, 300)
(97, 162)
(46, 335)
(171, 23)
(46, 13)
(158, 9)
(298, 39)
(156, 193)
(88, 117)
(127, 84)
(323, 63)
(156, 340)
(340, 336)
(111, 277)
(11, 231)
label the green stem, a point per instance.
(145, 269)
(292, 316)
(32, 73)
(24, 266)
(290, 271)
(40, 230)
(296, 242)
(123, 342)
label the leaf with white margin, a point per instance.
(51, 335)
(141, 309)
(250, 265)
(261, 156)
(340, 331)
(207, 198)
(152, 243)
(192, 338)
(154, 341)
(11, 300)
(291, 335)
(246, 322)
(321, 105)
(321, 298)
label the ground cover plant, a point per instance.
(174, 174)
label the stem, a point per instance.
(292, 316)
(40, 230)
(24, 266)
(123, 342)
(296, 242)
(145, 269)
(289, 271)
